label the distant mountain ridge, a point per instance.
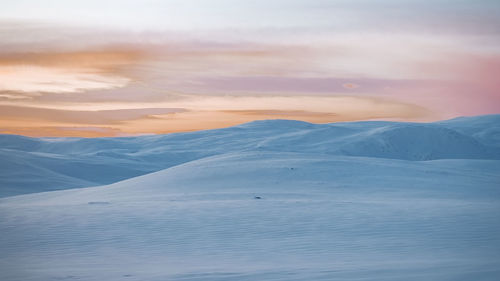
(42, 164)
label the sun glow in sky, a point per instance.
(113, 68)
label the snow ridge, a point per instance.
(60, 163)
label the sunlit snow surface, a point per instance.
(347, 201)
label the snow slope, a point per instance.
(60, 163)
(320, 218)
(343, 201)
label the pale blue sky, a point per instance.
(338, 15)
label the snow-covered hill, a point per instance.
(320, 217)
(60, 163)
(267, 200)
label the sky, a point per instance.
(131, 67)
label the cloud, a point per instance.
(300, 85)
(103, 117)
(282, 113)
(350, 86)
(8, 95)
(25, 74)
(59, 131)
(35, 79)
(56, 122)
(95, 82)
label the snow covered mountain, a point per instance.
(266, 200)
(34, 165)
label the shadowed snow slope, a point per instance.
(34, 165)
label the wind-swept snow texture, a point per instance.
(343, 201)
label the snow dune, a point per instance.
(343, 201)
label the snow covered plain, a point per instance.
(343, 201)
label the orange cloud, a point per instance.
(107, 59)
